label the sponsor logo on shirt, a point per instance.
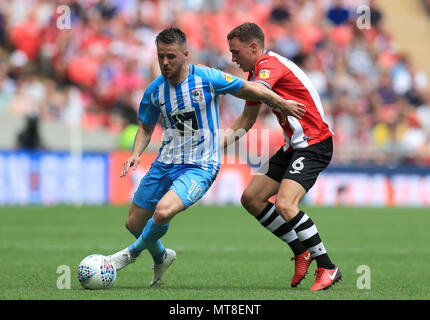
(264, 74)
(227, 77)
(197, 95)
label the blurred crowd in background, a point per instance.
(377, 101)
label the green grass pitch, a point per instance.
(222, 253)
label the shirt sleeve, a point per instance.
(268, 72)
(248, 102)
(222, 82)
(148, 112)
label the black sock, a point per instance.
(273, 222)
(308, 234)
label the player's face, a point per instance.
(242, 54)
(171, 58)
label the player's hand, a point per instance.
(291, 108)
(131, 162)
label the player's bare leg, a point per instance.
(168, 206)
(257, 194)
(137, 218)
(255, 199)
(289, 196)
(136, 221)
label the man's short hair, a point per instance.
(248, 32)
(171, 35)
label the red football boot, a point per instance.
(326, 278)
(302, 262)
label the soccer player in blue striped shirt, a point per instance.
(187, 99)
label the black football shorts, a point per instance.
(301, 165)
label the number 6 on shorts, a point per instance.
(297, 165)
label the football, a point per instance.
(96, 272)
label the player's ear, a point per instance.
(253, 46)
(186, 54)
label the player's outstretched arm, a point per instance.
(259, 92)
(141, 141)
(241, 125)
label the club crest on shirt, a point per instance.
(197, 95)
(264, 74)
(227, 77)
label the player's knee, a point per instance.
(252, 203)
(130, 225)
(286, 208)
(247, 199)
(162, 214)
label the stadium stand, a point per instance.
(375, 95)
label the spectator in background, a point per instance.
(7, 87)
(29, 137)
(279, 12)
(25, 37)
(337, 13)
(107, 9)
(385, 91)
(313, 69)
(375, 14)
(426, 5)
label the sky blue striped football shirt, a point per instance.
(189, 115)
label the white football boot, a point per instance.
(121, 259)
(160, 269)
